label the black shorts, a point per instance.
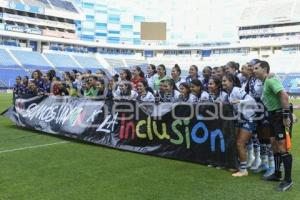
(262, 120)
(277, 128)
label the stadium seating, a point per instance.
(284, 62)
(292, 83)
(115, 62)
(135, 62)
(87, 62)
(31, 60)
(119, 69)
(8, 76)
(64, 5)
(62, 61)
(6, 61)
(39, 3)
(10, 43)
(9, 69)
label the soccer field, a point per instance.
(35, 166)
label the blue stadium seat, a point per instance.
(144, 68)
(9, 69)
(10, 43)
(119, 69)
(115, 62)
(8, 76)
(62, 61)
(70, 49)
(88, 62)
(56, 48)
(31, 60)
(290, 84)
(6, 61)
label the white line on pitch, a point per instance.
(32, 147)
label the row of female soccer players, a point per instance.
(222, 84)
(158, 86)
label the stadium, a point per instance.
(44, 161)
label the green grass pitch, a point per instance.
(35, 166)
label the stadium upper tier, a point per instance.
(55, 8)
(39, 3)
(271, 12)
(50, 4)
(63, 5)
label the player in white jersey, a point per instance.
(198, 90)
(193, 74)
(125, 91)
(253, 147)
(151, 75)
(171, 94)
(144, 92)
(186, 94)
(216, 94)
(244, 107)
(175, 74)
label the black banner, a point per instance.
(199, 133)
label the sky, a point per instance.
(191, 20)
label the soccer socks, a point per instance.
(271, 161)
(264, 154)
(287, 160)
(277, 159)
(270, 156)
(256, 147)
(264, 159)
(250, 154)
(243, 167)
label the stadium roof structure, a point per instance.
(56, 8)
(266, 12)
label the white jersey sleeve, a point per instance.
(247, 105)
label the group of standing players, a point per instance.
(257, 96)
